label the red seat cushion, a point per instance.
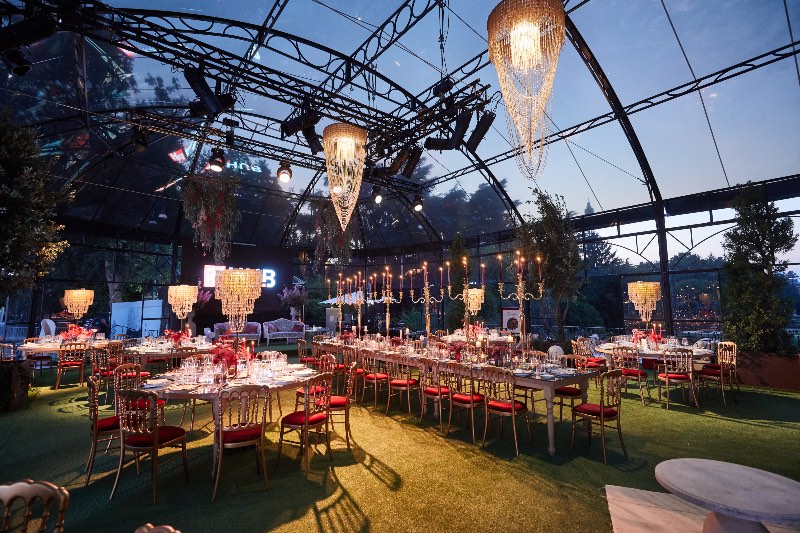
(600, 360)
(340, 366)
(506, 406)
(594, 365)
(241, 435)
(433, 391)
(165, 434)
(131, 375)
(568, 391)
(109, 423)
(298, 418)
(712, 365)
(70, 364)
(376, 376)
(675, 376)
(633, 372)
(403, 382)
(337, 402)
(314, 390)
(712, 372)
(307, 360)
(465, 398)
(594, 410)
(359, 371)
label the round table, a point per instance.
(739, 497)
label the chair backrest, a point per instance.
(458, 378)
(137, 413)
(611, 384)
(6, 352)
(428, 372)
(327, 363)
(242, 407)
(726, 353)
(418, 345)
(72, 352)
(539, 357)
(302, 348)
(101, 359)
(581, 348)
(351, 380)
(349, 355)
(678, 360)
(626, 357)
(28, 492)
(115, 349)
(369, 361)
(126, 377)
(318, 395)
(93, 400)
(150, 528)
(499, 384)
(571, 361)
(398, 366)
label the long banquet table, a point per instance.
(547, 385)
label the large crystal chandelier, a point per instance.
(182, 298)
(644, 295)
(237, 289)
(474, 300)
(344, 155)
(525, 39)
(77, 301)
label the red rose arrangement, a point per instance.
(175, 336)
(224, 353)
(74, 331)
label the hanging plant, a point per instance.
(332, 243)
(209, 204)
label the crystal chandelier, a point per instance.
(474, 300)
(182, 298)
(644, 295)
(344, 155)
(77, 301)
(525, 39)
(237, 289)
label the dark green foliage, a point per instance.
(29, 237)
(754, 314)
(412, 318)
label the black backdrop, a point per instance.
(267, 307)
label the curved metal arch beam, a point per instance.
(422, 219)
(289, 223)
(695, 245)
(613, 100)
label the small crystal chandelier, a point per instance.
(644, 295)
(237, 289)
(525, 40)
(77, 301)
(344, 155)
(182, 298)
(474, 300)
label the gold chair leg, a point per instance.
(119, 469)
(603, 442)
(621, 441)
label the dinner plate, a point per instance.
(296, 366)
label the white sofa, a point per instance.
(251, 331)
(283, 328)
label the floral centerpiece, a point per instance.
(203, 297)
(176, 336)
(294, 299)
(227, 355)
(74, 332)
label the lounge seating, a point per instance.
(250, 332)
(284, 328)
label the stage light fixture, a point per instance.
(208, 103)
(313, 140)
(460, 129)
(16, 62)
(306, 119)
(376, 194)
(401, 157)
(284, 172)
(217, 160)
(230, 139)
(27, 32)
(442, 88)
(417, 203)
(413, 161)
(481, 128)
(437, 143)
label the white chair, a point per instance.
(48, 328)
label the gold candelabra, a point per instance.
(386, 294)
(521, 296)
(426, 297)
(472, 298)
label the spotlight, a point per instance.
(417, 203)
(26, 32)
(217, 160)
(208, 104)
(441, 88)
(139, 139)
(16, 62)
(376, 194)
(307, 119)
(230, 139)
(284, 172)
(401, 157)
(437, 143)
(481, 128)
(413, 161)
(460, 129)
(312, 139)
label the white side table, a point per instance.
(739, 497)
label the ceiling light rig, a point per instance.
(345, 153)
(376, 195)
(284, 172)
(217, 160)
(417, 204)
(525, 40)
(480, 131)
(208, 103)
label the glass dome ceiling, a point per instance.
(712, 90)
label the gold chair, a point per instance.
(39, 359)
(240, 422)
(677, 369)
(6, 353)
(71, 356)
(460, 382)
(302, 353)
(129, 377)
(29, 492)
(314, 416)
(501, 401)
(606, 413)
(630, 362)
(724, 370)
(431, 388)
(104, 430)
(340, 405)
(401, 380)
(350, 356)
(102, 368)
(326, 363)
(141, 434)
(573, 394)
(373, 375)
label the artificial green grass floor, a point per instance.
(400, 474)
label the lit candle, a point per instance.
(539, 261)
(500, 261)
(466, 269)
(390, 281)
(483, 271)
(411, 274)
(441, 274)
(519, 264)
(448, 274)
(401, 278)
(329, 287)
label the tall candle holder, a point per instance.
(472, 298)
(521, 296)
(357, 298)
(386, 295)
(426, 297)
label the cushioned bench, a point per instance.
(284, 328)
(250, 332)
